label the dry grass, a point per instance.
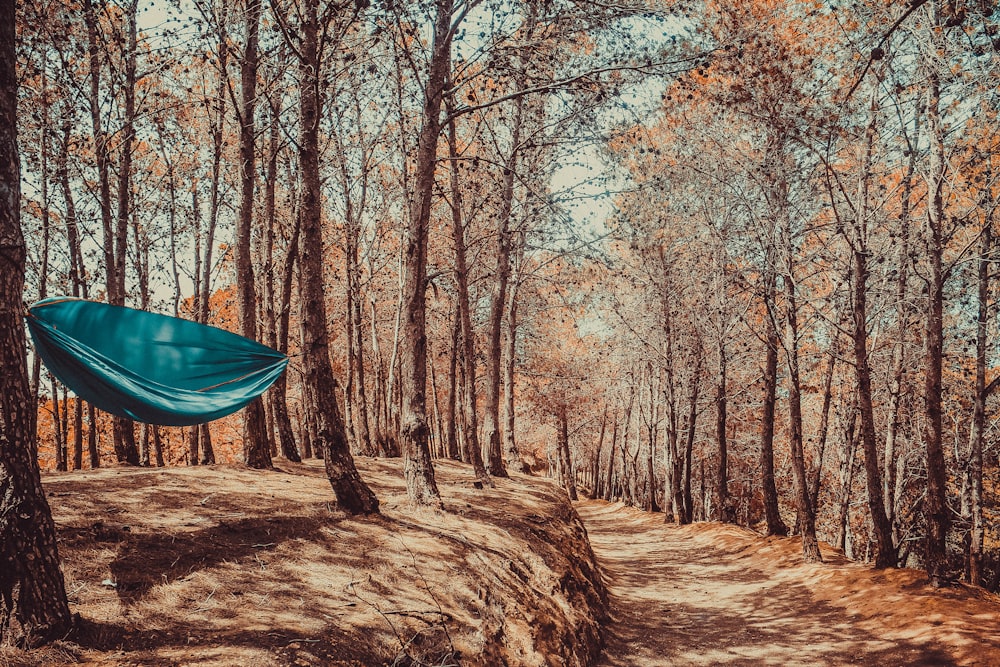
(228, 566)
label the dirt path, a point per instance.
(711, 594)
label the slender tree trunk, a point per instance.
(93, 453)
(847, 476)
(114, 243)
(722, 474)
(607, 493)
(256, 447)
(568, 476)
(57, 431)
(124, 429)
(352, 494)
(935, 507)
(512, 457)
(33, 603)
(278, 302)
(775, 524)
(687, 509)
(889, 477)
(824, 420)
(157, 447)
(595, 482)
(43, 270)
(805, 518)
(420, 483)
(471, 431)
(978, 427)
(436, 405)
(279, 392)
(451, 402)
(654, 422)
(886, 554)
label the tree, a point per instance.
(353, 495)
(414, 429)
(33, 603)
(115, 229)
(256, 443)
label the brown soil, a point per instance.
(227, 566)
(711, 594)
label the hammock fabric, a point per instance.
(149, 367)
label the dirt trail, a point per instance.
(710, 594)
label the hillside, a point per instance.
(224, 565)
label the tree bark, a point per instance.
(724, 510)
(805, 518)
(352, 494)
(934, 506)
(566, 469)
(687, 514)
(978, 427)
(772, 513)
(468, 348)
(256, 445)
(33, 603)
(511, 455)
(886, 553)
(279, 300)
(451, 402)
(420, 483)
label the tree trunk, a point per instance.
(654, 422)
(772, 513)
(93, 453)
(352, 494)
(805, 518)
(568, 476)
(886, 554)
(724, 511)
(934, 506)
(33, 603)
(420, 483)
(891, 492)
(687, 513)
(43, 269)
(57, 431)
(157, 447)
(468, 348)
(278, 302)
(279, 392)
(256, 446)
(824, 420)
(124, 429)
(595, 482)
(847, 478)
(978, 428)
(512, 457)
(451, 402)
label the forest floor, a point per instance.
(713, 594)
(222, 565)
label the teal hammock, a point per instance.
(150, 367)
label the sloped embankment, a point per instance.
(223, 565)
